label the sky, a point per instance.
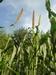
(9, 9)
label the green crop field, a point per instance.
(28, 53)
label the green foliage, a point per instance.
(19, 35)
(48, 5)
(33, 55)
(3, 39)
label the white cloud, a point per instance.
(54, 7)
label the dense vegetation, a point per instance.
(29, 53)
